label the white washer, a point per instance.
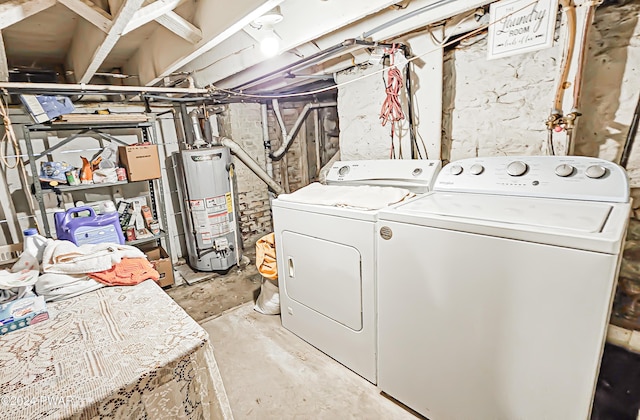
(326, 262)
(494, 290)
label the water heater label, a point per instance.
(218, 214)
(197, 204)
(229, 203)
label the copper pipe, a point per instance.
(569, 9)
(577, 83)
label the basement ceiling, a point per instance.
(206, 42)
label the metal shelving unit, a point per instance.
(155, 187)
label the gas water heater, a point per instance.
(208, 208)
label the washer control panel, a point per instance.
(415, 175)
(570, 177)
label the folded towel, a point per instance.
(64, 257)
(366, 197)
(55, 287)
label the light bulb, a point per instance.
(270, 44)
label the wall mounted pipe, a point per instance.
(288, 140)
(284, 165)
(255, 167)
(582, 54)
(265, 140)
(569, 8)
(631, 136)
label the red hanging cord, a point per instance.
(391, 107)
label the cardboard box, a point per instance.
(161, 261)
(21, 313)
(141, 162)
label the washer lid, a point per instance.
(577, 216)
(586, 225)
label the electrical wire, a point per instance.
(391, 110)
(9, 138)
(364, 76)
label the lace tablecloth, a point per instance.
(118, 352)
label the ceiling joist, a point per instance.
(90, 12)
(149, 13)
(163, 55)
(102, 45)
(180, 26)
(13, 11)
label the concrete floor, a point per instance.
(214, 293)
(270, 373)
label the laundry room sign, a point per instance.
(519, 26)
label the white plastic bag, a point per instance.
(268, 301)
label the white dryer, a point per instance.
(326, 257)
(494, 290)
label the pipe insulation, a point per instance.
(255, 167)
(288, 138)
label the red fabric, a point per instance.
(128, 272)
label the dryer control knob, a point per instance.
(595, 171)
(455, 169)
(517, 168)
(476, 169)
(343, 170)
(564, 170)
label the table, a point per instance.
(124, 352)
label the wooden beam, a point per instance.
(90, 12)
(13, 11)
(180, 26)
(163, 53)
(150, 12)
(4, 66)
(103, 45)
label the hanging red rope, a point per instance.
(391, 107)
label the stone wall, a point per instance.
(611, 85)
(496, 107)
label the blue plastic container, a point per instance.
(91, 229)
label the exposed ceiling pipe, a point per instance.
(404, 17)
(312, 59)
(288, 139)
(20, 87)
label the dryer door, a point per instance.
(324, 276)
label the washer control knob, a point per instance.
(416, 172)
(476, 169)
(564, 170)
(343, 170)
(517, 168)
(455, 169)
(595, 171)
